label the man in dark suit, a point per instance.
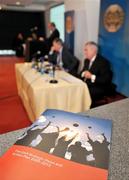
(54, 33)
(96, 72)
(62, 58)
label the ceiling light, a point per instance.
(18, 3)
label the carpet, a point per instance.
(7, 76)
(13, 114)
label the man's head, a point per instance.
(51, 26)
(20, 36)
(90, 50)
(57, 44)
(78, 143)
(34, 36)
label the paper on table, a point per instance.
(71, 79)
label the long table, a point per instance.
(38, 94)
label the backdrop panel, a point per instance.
(114, 40)
(69, 30)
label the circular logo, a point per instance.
(69, 24)
(113, 18)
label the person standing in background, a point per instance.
(54, 33)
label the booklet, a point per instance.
(60, 145)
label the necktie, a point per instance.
(59, 60)
(90, 64)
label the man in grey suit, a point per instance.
(60, 56)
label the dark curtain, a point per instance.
(13, 22)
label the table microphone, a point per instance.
(37, 54)
(34, 29)
(54, 81)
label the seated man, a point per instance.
(61, 57)
(96, 72)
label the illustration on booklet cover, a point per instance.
(74, 137)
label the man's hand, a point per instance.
(87, 74)
(52, 49)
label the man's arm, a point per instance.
(52, 57)
(104, 74)
(70, 61)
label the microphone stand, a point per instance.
(53, 81)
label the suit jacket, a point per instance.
(100, 68)
(70, 62)
(55, 34)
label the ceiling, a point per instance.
(28, 4)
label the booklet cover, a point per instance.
(60, 145)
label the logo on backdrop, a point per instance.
(113, 18)
(69, 24)
(69, 30)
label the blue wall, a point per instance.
(115, 46)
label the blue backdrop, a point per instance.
(115, 45)
(69, 30)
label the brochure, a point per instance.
(60, 145)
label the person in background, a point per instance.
(60, 56)
(54, 33)
(18, 45)
(96, 72)
(34, 36)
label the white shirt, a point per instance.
(91, 61)
(93, 76)
(59, 57)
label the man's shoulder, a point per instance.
(65, 50)
(102, 59)
(56, 31)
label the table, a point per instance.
(119, 156)
(38, 94)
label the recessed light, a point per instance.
(18, 3)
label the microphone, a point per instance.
(35, 60)
(36, 54)
(34, 29)
(53, 81)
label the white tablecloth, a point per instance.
(38, 94)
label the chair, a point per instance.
(108, 97)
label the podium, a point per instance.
(32, 46)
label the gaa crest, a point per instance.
(113, 18)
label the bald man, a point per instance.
(96, 72)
